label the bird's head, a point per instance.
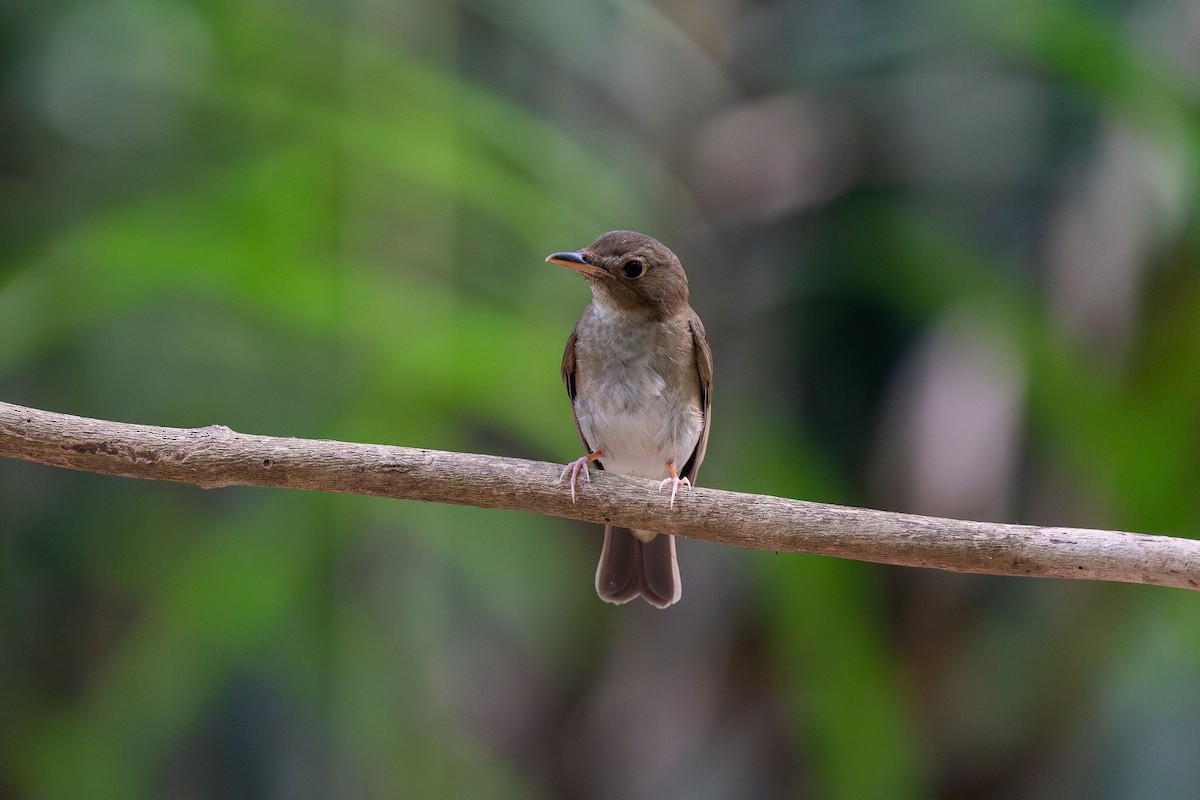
(630, 273)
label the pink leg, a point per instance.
(577, 466)
(675, 482)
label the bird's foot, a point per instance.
(577, 466)
(675, 481)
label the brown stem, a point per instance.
(217, 456)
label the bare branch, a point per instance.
(217, 456)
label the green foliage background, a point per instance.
(328, 220)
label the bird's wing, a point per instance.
(568, 376)
(704, 368)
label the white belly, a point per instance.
(639, 428)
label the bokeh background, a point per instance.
(947, 256)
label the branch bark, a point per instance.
(217, 456)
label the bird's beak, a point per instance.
(576, 261)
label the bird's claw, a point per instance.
(575, 467)
(675, 482)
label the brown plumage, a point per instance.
(638, 370)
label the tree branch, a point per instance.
(217, 456)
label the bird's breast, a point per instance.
(638, 396)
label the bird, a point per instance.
(638, 370)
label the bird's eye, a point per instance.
(633, 269)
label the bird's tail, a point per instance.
(638, 562)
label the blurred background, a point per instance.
(947, 256)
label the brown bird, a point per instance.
(638, 370)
